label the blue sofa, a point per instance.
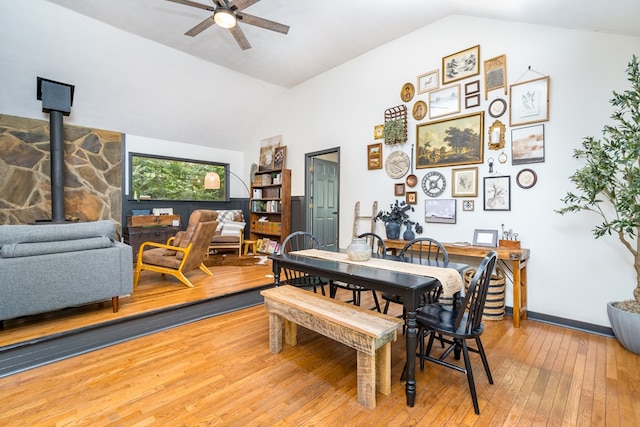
(48, 267)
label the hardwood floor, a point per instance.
(219, 371)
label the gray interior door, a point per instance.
(325, 186)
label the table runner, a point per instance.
(449, 278)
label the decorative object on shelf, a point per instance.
(465, 182)
(497, 193)
(433, 184)
(279, 157)
(395, 217)
(450, 142)
(461, 65)
(374, 156)
(472, 88)
(392, 135)
(496, 135)
(407, 92)
(411, 180)
(397, 164)
(497, 107)
(419, 110)
(428, 81)
(441, 211)
(495, 74)
(408, 233)
(468, 205)
(608, 183)
(529, 102)
(526, 178)
(444, 102)
(378, 132)
(267, 150)
(359, 249)
(486, 238)
(398, 189)
(411, 197)
(527, 145)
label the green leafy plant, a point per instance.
(610, 177)
(398, 212)
(394, 131)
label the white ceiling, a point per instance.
(327, 33)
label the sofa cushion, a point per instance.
(15, 250)
(228, 215)
(56, 232)
(232, 228)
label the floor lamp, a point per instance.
(212, 181)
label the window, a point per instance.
(170, 178)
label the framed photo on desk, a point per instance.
(486, 238)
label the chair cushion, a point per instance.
(232, 228)
(157, 256)
(441, 318)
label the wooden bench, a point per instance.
(368, 332)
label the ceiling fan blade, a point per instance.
(238, 5)
(194, 4)
(201, 27)
(262, 23)
(240, 38)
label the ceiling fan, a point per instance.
(227, 15)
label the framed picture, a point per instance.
(495, 74)
(407, 92)
(412, 197)
(461, 65)
(486, 238)
(529, 102)
(280, 157)
(450, 142)
(374, 156)
(267, 150)
(527, 145)
(440, 211)
(428, 81)
(468, 205)
(472, 87)
(398, 189)
(419, 110)
(472, 101)
(378, 132)
(526, 178)
(444, 101)
(497, 193)
(497, 107)
(464, 182)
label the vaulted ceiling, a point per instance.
(327, 33)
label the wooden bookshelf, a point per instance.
(271, 199)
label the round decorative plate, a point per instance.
(497, 107)
(433, 184)
(526, 178)
(397, 164)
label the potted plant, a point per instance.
(394, 131)
(395, 217)
(609, 185)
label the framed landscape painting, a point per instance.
(450, 142)
(461, 65)
(527, 145)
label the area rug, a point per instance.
(232, 259)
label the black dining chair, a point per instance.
(421, 250)
(456, 326)
(296, 241)
(377, 247)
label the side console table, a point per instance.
(518, 257)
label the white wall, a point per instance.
(570, 274)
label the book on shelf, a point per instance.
(257, 193)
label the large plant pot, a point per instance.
(626, 327)
(393, 230)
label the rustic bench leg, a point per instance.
(290, 332)
(275, 333)
(383, 369)
(366, 380)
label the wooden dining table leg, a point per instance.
(412, 341)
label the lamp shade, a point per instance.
(224, 17)
(212, 181)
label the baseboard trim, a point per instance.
(567, 323)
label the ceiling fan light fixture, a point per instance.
(224, 17)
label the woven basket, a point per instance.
(494, 306)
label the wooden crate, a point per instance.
(151, 220)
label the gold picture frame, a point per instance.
(495, 74)
(378, 132)
(464, 182)
(412, 197)
(374, 156)
(461, 65)
(529, 102)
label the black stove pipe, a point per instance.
(56, 149)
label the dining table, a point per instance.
(389, 274)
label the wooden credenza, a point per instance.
(518, 257)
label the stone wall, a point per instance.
(92, 180)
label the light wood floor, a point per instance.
(219, 371)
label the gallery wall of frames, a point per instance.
(460, 141)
